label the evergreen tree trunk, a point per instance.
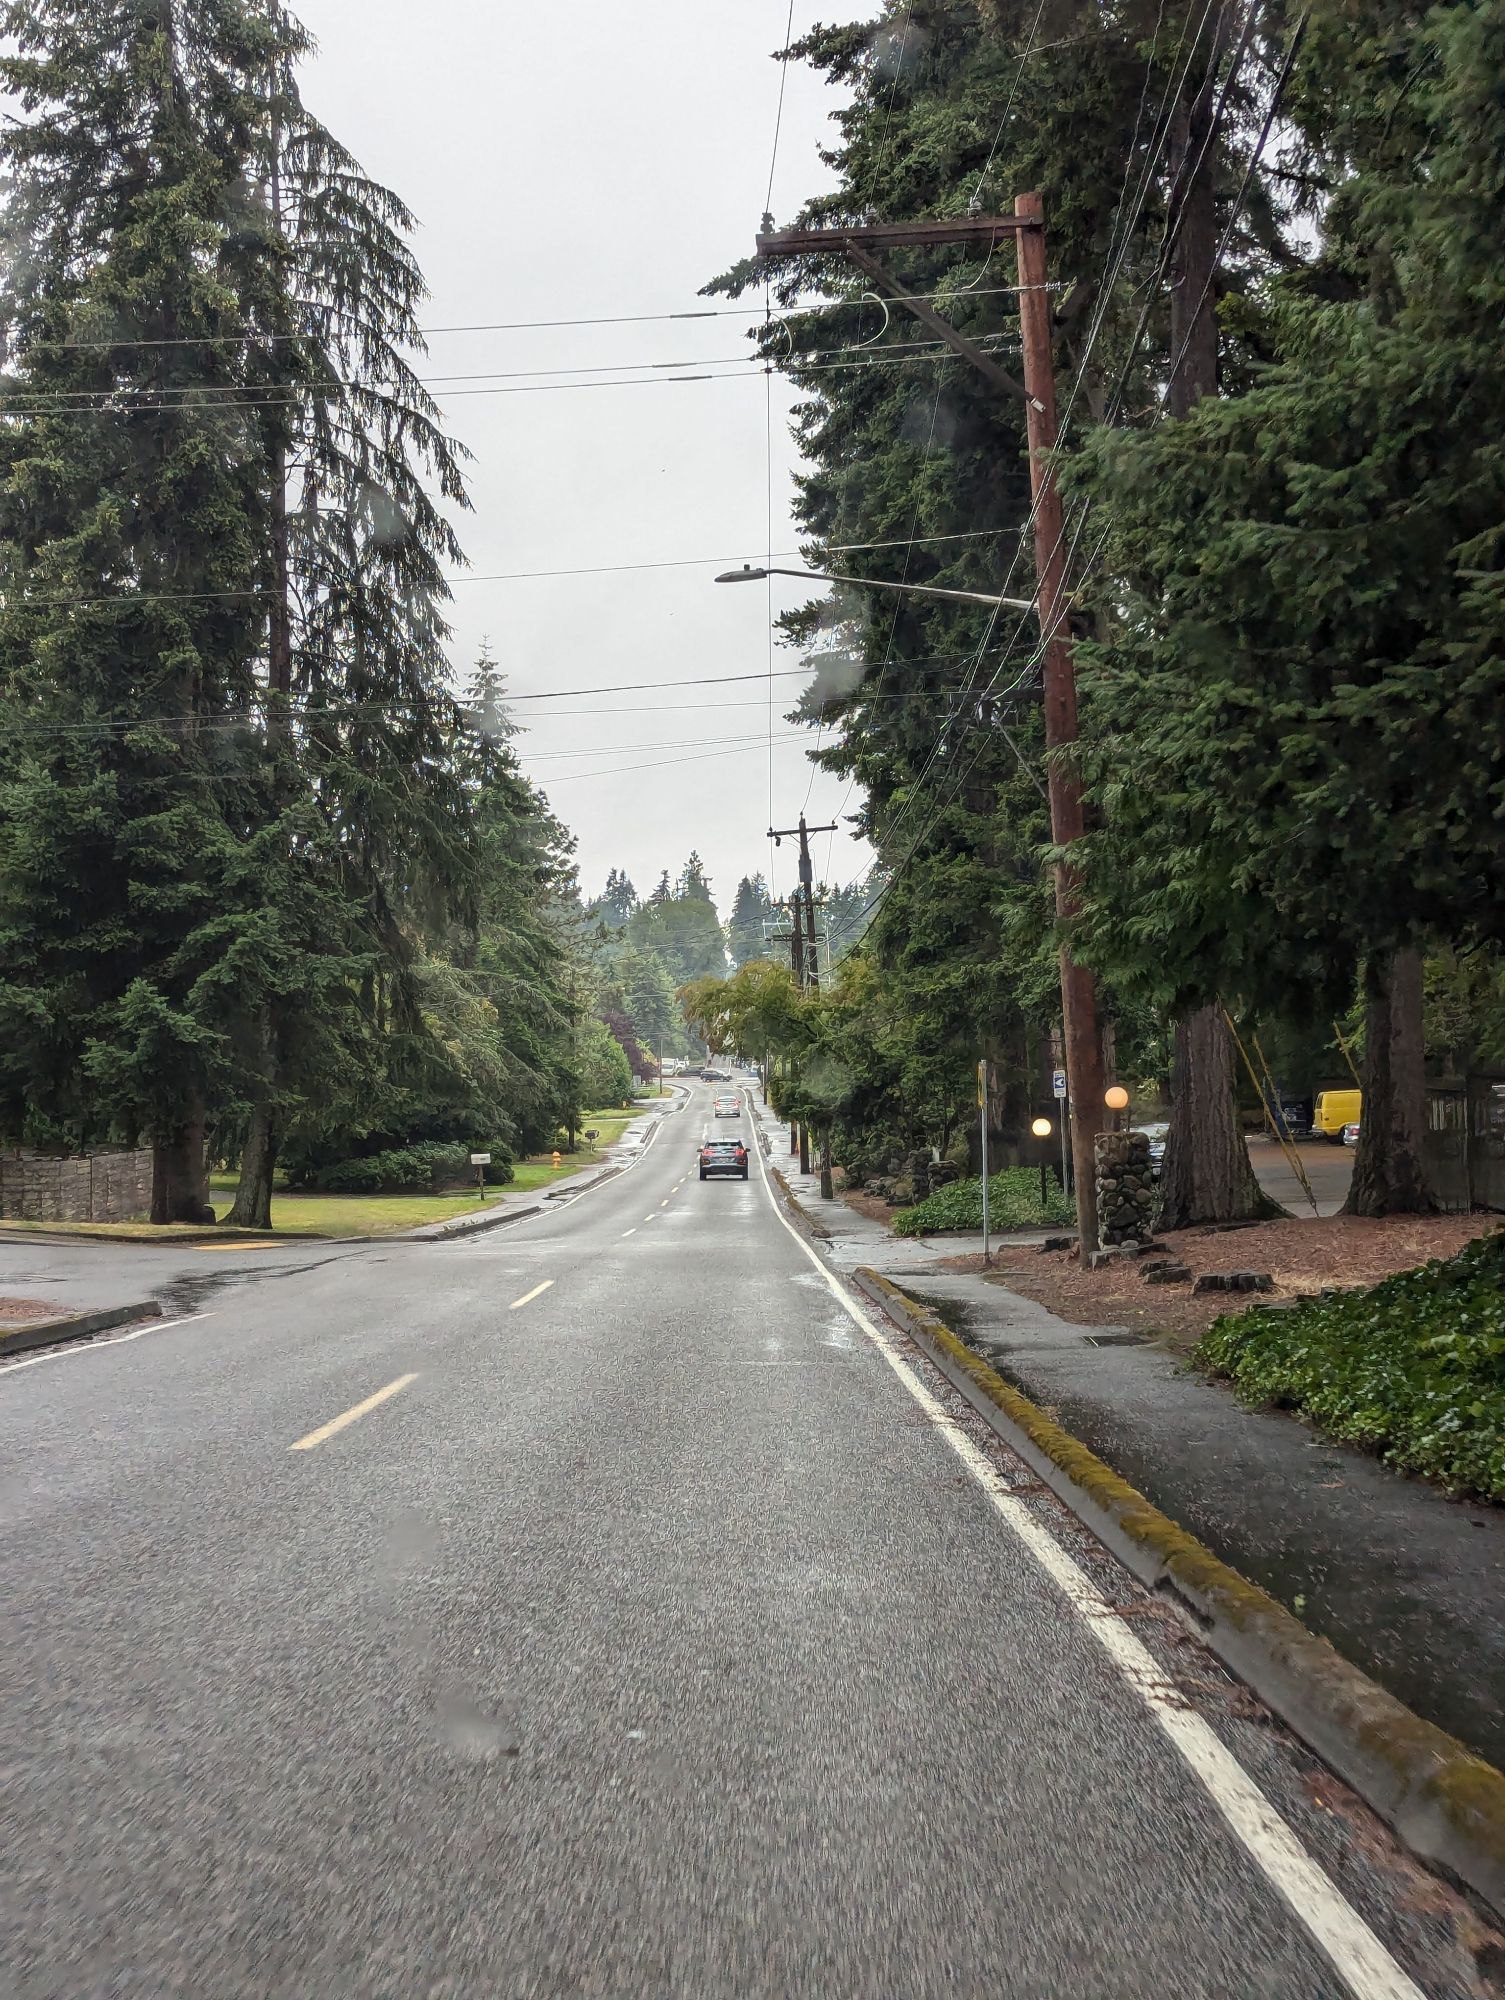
(804, 1149)
(258, 1163)
(1389, 1173)
(180, 1176)
(258, 1160)
(1207, 1175)
(827, 1185)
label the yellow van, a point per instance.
(1335, 1109)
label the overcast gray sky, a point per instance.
(584, 161)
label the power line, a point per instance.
(236, 394)
(914, 792)
(251, 337)
(193, 403)
(495, 576)
(293, 712)
(619, 770)
(1157, 148)
(778, 123)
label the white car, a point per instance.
(725, 1105)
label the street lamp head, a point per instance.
(1042, 1128)
(747, 574)
(1116, 1097)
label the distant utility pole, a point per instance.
(859, 243)
(805, 953)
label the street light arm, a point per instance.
(747, 574)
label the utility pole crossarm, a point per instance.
(859, 242)
(981, 231)
(943, 330)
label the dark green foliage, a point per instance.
(133, 513)
(920, 456)
(603, 1075)
(405, 1170)
(258, 871)
(618, 900)
(1013, 1203)
(1413, 1369)
(751, 908)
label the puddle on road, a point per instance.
(473, 1735)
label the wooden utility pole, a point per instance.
(1083, 1038)
(807, 965)
(1084, 1062)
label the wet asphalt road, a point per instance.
(660, 1631)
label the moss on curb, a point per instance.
(1447, 1804)
(815, 1227)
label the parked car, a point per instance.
(725, 1105)
(1157, 1136)
(1351, 1134)
(1334, 1110)
(725, 1159)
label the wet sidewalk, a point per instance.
(1407, 1584)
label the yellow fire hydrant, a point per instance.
(558, 1162)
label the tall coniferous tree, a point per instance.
(358, 471)
(132, 518)
(751, 908)
(951, 106)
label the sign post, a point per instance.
(982, 1100)
(1058, 1087)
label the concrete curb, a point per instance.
(812, 1224)
(463, 1225)
(1446, 1804)
(53, 1332)
(189, 1240)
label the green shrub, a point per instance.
(409, 1169)
(1413, 1368)
(1013, 1203)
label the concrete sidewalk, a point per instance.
(1407, 1584)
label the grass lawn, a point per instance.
(538, 1169)
(362, 1214)
(359, 1214)
(385, 1214)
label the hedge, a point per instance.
(408, 1169)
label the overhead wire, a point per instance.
(778, 123)
(469, 576)
(191, 401)
(234, 395)
(109, 342)
(915, 791)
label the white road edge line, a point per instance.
(120, 1339)
(1360, 1959)
(631, 1232)
(528, 1297)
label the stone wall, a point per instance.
(99, 1187)
(1125, 1189)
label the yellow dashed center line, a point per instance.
(351, 1416)
(528, 1297)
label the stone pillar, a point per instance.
(1125, 1189)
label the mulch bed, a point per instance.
(1302, 1256)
